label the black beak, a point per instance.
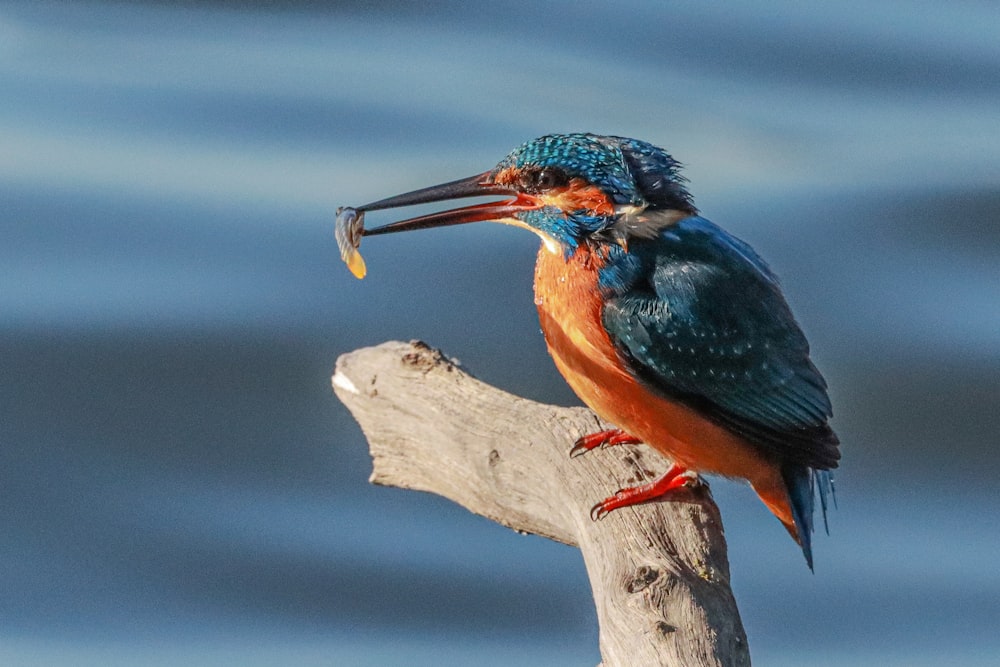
(475, 186)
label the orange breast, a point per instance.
(569, 308)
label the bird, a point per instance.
(663, 323)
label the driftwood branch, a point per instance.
(659, 571)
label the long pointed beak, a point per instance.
(474, 186)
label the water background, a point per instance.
(179, 486)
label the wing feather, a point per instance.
(702, 320)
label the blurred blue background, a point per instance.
(178, 484)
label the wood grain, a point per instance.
(659, 571)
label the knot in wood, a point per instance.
(665, 628)
(644, 576)
(422, 356)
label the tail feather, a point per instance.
(802, 482)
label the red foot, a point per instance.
(609, 438)
(671, 480)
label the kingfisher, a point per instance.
(663, 323)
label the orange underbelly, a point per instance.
(569, 308)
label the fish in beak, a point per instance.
(350, 221)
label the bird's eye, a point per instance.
(544, 179)
(547, 178)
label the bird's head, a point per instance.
(567, 188)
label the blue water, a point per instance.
(179, 485)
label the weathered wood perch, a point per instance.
(659, 571)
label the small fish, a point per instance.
(349, 230)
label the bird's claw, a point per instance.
(622, 498)
(599, 511)
(580, 447)
(673, 479)
(601, 439)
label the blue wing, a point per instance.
(699, 317)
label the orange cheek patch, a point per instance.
(579, 196)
